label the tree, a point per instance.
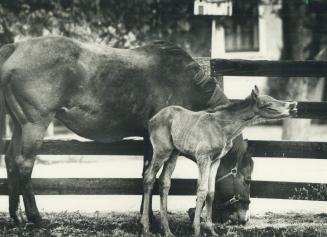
(116, 23)
(304, 32)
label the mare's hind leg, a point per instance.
(32, 137)
(13, 175)
(165, 182)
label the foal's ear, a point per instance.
(255, 93)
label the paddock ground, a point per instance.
(127, 224)
(119, 217)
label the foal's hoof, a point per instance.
(168, 233)
(155, 225)
(30, 225)
(146, 234)
(209, 228)
(213, 233)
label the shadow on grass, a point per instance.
(122, 224)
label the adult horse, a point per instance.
(101, 93)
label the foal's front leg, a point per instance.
(204, 163)
(211, 194)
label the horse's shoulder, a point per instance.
(164, 114)
(206, 118)
(209, 125)
(167, 49)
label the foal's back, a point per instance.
(191, 133)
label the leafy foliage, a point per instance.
(118, 23)
(304, 36)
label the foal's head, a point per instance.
(266, 107)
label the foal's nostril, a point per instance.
(293, 105)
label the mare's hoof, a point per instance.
(16, 221)
(191, 214)
(40, 222)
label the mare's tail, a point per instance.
(5, 52)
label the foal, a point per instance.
(205, 137)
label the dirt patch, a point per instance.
(122, 224)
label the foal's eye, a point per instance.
(265, 105)
(247, 181)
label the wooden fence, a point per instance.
(274, 149)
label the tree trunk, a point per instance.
(300, 43)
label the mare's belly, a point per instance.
(101, 126)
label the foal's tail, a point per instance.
(5, 52)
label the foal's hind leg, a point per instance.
(12, 173)
(165, 182)
(149, 178)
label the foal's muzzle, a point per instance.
(293, 108)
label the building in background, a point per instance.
(253, 30)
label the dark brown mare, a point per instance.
(204, 137)
(100, 93)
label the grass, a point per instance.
(123, 224)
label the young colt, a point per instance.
(205, 137)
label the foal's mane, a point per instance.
(240, 104)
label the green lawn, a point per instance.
(123, 224)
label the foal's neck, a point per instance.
(236, 117)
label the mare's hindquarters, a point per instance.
(29, 96)
(27, 139)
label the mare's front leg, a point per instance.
(211, 195)
(204, 163)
